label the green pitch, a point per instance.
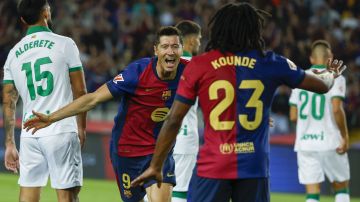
(107, 191)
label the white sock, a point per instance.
(342, 197)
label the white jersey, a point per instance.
(187, 141)
(39, 67)
(316, 129)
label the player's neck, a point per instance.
(42, 23)
(165, 75)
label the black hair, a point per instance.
(188, 27)
(168, 31)
(237, 27)
(30, 10)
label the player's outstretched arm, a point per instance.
(80, 105)
(322, 81)
(165, 140)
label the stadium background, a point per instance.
(111, 33)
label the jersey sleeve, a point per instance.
(8, 78)
(291, 75)
(339, 88)
(125, 82)
(72, 56)
(186, 91)
(294, 97)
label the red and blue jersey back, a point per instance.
(235, 94)
(144, 103)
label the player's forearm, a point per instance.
(9, 124)
(340, 120)
(80, 105)
(10, 98)
(81, 118)
(165, 141)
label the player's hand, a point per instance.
(336, 67)
(148, 174)
(344, 146)
(39, 121)
(11, 158)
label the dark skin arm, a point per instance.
(79, 88)
(10, 98)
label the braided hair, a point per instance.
(237, 27)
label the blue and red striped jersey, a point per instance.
(144, 103)
(235, 94)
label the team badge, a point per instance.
(118, 78)
(166, 94)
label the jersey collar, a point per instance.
(318, 67)
(186, 54)
(34, 29)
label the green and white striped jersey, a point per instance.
(39, 67)
(316, 129)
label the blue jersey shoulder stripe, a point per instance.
(184, 99)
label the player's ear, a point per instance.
(312, 60)
(46, 13)
(22, 20)
(155, 50)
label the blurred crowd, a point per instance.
(111, 33)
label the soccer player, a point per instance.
(235, 81)
(146, 89)
(321, 133)
(187, 141)
(45, 70)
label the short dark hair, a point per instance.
(188, 27)
(237, 27)
(168, 31)
(320, 43)
(30, 10)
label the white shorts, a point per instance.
(312, 166)
(184, 166)
(57, 155)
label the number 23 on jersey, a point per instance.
(253, 102)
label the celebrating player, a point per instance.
(146, 90)
(321, 133)
(42, 68)
(235, 81)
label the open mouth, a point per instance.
(170, 61)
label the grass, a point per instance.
(107, 191)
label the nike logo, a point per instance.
(170, 175)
